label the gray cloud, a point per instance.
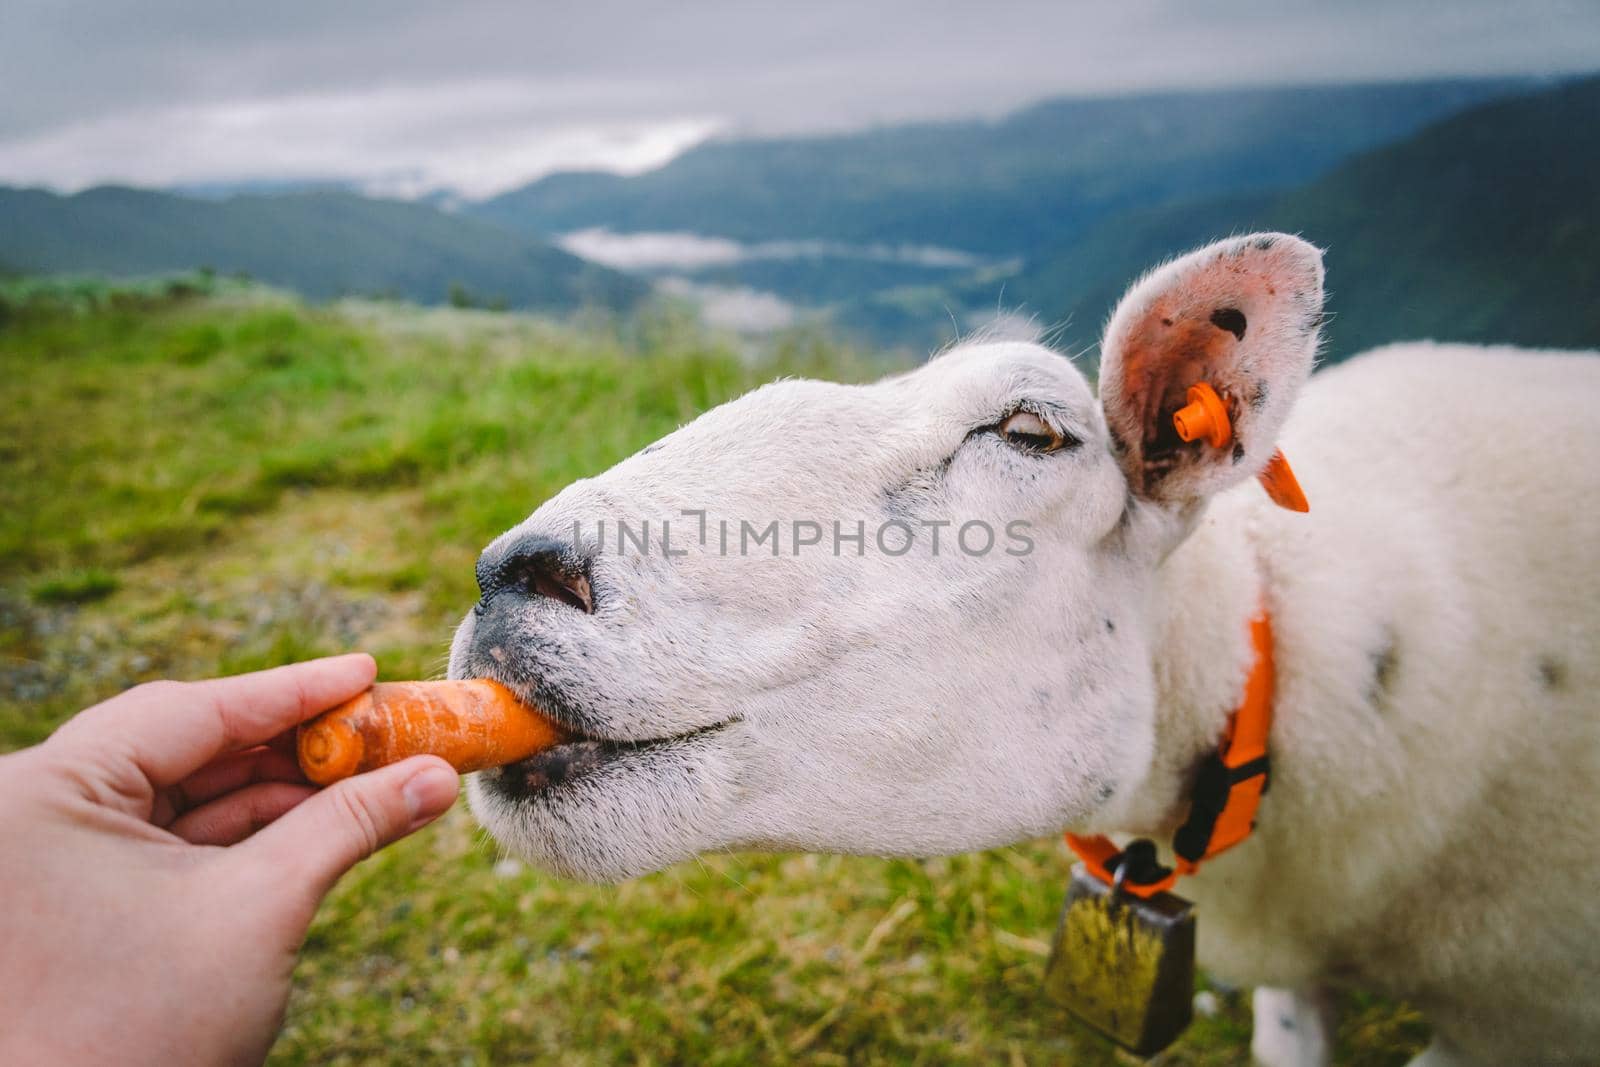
(485, 94)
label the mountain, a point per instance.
(323, 244)
(226, 190)
(1026, 181)
(1482, 227)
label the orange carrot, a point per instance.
(473, 725)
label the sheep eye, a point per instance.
(1028, 432)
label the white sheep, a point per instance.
(1431, 829)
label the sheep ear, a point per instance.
(1242, 315)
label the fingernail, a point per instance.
(429, 793)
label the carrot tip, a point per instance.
(328, 750)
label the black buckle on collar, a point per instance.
(1212, 788)
(1136, 864)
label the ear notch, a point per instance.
(1241, 315)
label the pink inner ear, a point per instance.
(1165, 352)
(1240, 315)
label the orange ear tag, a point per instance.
(1205, 415)
(1281, 484)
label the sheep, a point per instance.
(971, 604)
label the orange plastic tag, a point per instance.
(1206, 416)
(1281, 484)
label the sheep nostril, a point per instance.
(538, 567)
(569, 588)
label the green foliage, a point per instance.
(75, 587)
(260, 483)
(26, 295)
(459, 296)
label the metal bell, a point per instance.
(1124, 964)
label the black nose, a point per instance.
(534, 567)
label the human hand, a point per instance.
(161, 857)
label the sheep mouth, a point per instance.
(587, 750)
(572, 761)
(556, 766)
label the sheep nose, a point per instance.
(535, 567)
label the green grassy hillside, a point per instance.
(192, 485)
(321, 244)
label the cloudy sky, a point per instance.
(406, 96)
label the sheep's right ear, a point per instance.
(1241, 315)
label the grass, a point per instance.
(194, 483)
(76, 587)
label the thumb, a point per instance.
(332, 831)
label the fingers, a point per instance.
(285, 742)
(261, 764)
(233, 818)
(318, 841)
(172, 729)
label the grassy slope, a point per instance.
(227, 484)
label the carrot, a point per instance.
(473, 725)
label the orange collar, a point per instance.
(1232, 780)
(1223, 803)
